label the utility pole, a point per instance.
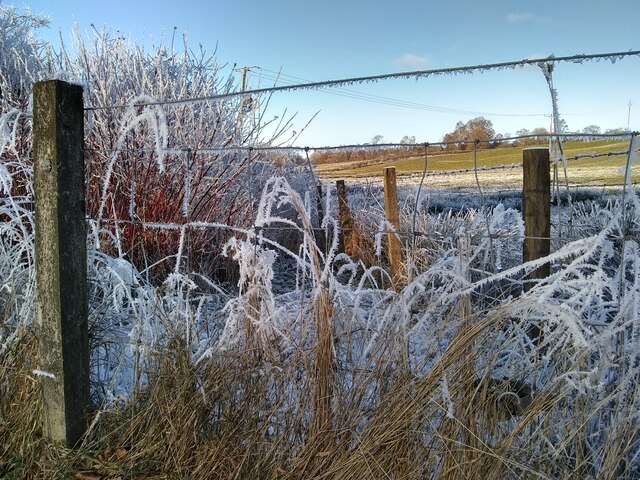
(629, 116)
(245, 102)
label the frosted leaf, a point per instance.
(42, 373)
(8, 130)
(183, 234)
(446, 396)
(177, 282)
(132, 198)
(123, 271)
(6, 180)
(186, 201)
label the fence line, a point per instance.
(425, 173)
(369, 146)
(475, 169)
(254, 230)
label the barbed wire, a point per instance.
(551, 60)
(601, 185)
(583, 156)
(370, 146)
(510, 166)
(434, 173)
(252, 230)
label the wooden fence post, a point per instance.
(319, 204)
(319, 233)
(61, 258)
(536, 207)
(536, 211)
(344, 215)
(391, 211)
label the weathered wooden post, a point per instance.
(61, 258)
(344, 215)
(536, 207)
(536, 212)
(391, 211)
(319, 204)
(319, 233)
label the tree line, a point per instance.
(461, 138)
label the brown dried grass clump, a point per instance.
(20, 409)
(323, 409)
(23, 451)
(291, 418)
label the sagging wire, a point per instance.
(418, 203)
(619, 336)
(483, 203)
(627, 186)
(318, 188)
(556, 148)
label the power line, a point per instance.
(379, 99)
(551, 60)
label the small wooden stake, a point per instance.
(61, 258)
(344, 215)
(391, 211)
(319, 233)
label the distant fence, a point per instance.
(61, 225)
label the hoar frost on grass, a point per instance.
(580, 307)
(464, 291)
(587, 309)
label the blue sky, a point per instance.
(330, 39)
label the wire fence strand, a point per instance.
(480, 68)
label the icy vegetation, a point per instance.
(469, 368)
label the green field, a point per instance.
(598, 170)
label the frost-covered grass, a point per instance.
(469, 369)
(344, 379)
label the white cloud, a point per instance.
(413, 61)
(520, 17)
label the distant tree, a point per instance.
(540, 131)
(534, 136)
(591, 130)
(377, 139)
(499, 140)
(452, 138)
(615, 131)
(407, 140)
(478, 128)
(539, 135)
